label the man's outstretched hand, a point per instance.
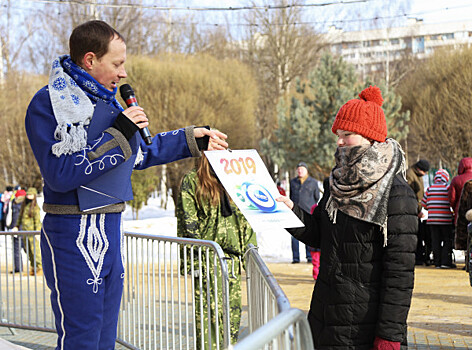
(217, 138)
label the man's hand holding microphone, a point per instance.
(136, 114)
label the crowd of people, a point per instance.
(442, 213)
(364, 231)
(20, 212)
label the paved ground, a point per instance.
(441, 312)
(440, 315)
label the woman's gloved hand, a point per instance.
(382, 344)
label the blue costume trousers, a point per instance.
(83, 267)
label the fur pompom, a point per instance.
(372, 94)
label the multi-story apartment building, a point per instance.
(373, 51)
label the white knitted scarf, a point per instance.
(72, 109)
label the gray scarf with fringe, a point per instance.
(360, 182)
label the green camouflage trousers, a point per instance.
(205, 307)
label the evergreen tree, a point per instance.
(396, 120)
(304, 128)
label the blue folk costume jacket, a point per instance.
(98, 178)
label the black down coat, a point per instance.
(363, 289)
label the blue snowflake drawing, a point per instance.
(56, 64)
(72, 82)
(59, 84)
(75, 99)
(90, 86)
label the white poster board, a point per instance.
(246, 179)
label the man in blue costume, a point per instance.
(86, 146)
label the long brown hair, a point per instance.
(30, 212)
(34, 203)
(210, 188)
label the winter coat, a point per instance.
(306, 194)
(29, 220)
(201, 220)
(465, 204)
(364, 288)
(415, 180)
(15, 211)
(464, 174)
(436, 201)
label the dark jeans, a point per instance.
(441, 239)
(17, 262)
(296, 253)
(423, 247)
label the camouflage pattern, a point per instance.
(205, 319)
(201, 220)
(31, 222)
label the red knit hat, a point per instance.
(20, 193)
(364, 117)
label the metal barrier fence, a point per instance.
(165, 279)
(265, 297)
(287, 330)
(272, 323)
(24, 298)
(160, 300)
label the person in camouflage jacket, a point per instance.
(29, 219)
(204, 211)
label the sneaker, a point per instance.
(38, 272)
(295, 262)
(451, 266)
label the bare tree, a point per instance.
(279, 49)
(438, 96)
(12, 40)
(179, 90)
(16, 158)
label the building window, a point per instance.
(447, 36)
(353, 45)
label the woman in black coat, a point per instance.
(366, 226)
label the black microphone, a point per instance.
(127, 94)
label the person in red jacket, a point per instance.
(464, 174)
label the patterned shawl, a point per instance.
(360, 182)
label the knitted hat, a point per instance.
(441, 176)
(20, 193)
(363, 116)
(422, 164)
(31, 190)
(303, 164)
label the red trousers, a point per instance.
(315, 260)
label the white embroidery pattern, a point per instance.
(174, 132)
(95, 248)
(101, 161)
(139, 156)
